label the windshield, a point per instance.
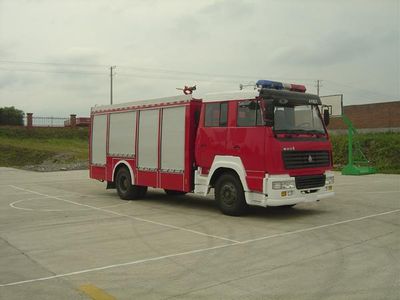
(298, 119)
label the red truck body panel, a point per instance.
(153, 178)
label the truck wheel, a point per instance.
(174, 193)
(124, 186)
(229, 195)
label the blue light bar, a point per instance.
(268, 84)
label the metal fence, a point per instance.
(46, 121)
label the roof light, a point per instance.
(268, 84)
(298, 88)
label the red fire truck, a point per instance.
(267, 146)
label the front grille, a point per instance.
(309, 182)
(305, 159)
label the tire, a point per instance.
(229, 195)
(125, 189)
(174, 193)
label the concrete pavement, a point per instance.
(62, 231)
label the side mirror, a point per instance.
(326, 116)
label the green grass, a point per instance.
(22, 146)
(40, 133)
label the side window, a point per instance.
(212, 115)
(223, 119)
(249, 114)
(216, 115)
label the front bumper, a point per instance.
(272, 197)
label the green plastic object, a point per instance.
(357, 163)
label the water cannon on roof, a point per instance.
(187, 90)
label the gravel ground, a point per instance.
(52, 167)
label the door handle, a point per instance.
(236, 147)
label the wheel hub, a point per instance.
(124, 183)
(228, 194)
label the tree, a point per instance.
(11, 116)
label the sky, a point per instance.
(55, 55)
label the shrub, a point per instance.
(11, 116)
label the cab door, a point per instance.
(246, 139)
(212, 132)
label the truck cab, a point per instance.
(265, 147)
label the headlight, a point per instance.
(329, 180)
(283, 185)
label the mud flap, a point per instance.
(110, 185)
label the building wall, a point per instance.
(374, 117)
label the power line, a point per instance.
(121, 74)
(155, 70)
(233, 76)
(218, 79)
(178, 75)
(51, 63)
(143, 69)
(50, 71)
(353, 95)
(365, 91)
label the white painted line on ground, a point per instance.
(151, 259)
(116, 265)
(49, 181)
(128, 216)
(354, 184)
(13, 205)
(319, 227)
(373, 192)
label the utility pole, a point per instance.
(111, 83)
(318, 85)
